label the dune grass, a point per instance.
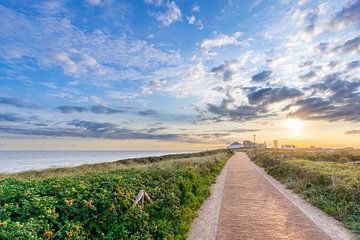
(141, 163)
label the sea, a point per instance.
(19, 161)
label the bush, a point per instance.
(100, 205)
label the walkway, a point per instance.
(252, 208)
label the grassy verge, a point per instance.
(313, 180)
(144, 162)
(99, 204)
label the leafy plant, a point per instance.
(99, 205)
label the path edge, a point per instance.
(216, 211)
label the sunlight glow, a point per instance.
(295, 125)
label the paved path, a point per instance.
(252, 208)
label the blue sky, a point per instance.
(185, 74)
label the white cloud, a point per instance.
(94, 2)
(157, 3)
(172, 14)
(191, 20)
(69, 66)
(146, 90)
(195, 8)
(122, 95)
(92, 56)
(199, 24)
(220, 40)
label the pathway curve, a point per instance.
(252, 208)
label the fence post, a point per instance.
(142, 196)
(333, 179)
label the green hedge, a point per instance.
(100, 205)
(312, 179)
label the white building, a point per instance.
(288, 147)
(235, 145)
(329, 150)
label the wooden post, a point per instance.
(142, 196)
(333, 179)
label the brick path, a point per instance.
(253, 209)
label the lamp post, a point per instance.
(254, 141)
(255, 145)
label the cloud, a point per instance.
(348, 15)
(228, 111)
(267, 96)
(195, 7)
(98, 109)
(11, 117)
(224, 71)
(308, 75)
(333, 63)
(342, 100)
(172, 14)
(71, 109)
(309, 19)
(312, 108)
(157, 3)
(220, 40)
(227, 70)
(155, 129)
(353, 65)
(148, 112)
(306, 63)
(89, 129)
(92, 56)
(262, 76)
(243, 130)
(240, 114)
(94, 2)
(350, 132)
(350, 46)
(191, 20)
(83, 65)
(16, 102)
(340, 90)
(111, 131)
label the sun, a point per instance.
(294, 124)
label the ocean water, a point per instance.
(18, 161)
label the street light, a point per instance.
(254, 141)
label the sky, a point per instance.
(178, 74)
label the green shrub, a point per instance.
(100, 205)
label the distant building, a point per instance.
(235, 145)
(276, 144)
(261, 145)
(329, 150)
(288, 147)
(315, 149)
(248, 144)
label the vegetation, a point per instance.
(141, 163)
(323, 179)
(99, 204)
